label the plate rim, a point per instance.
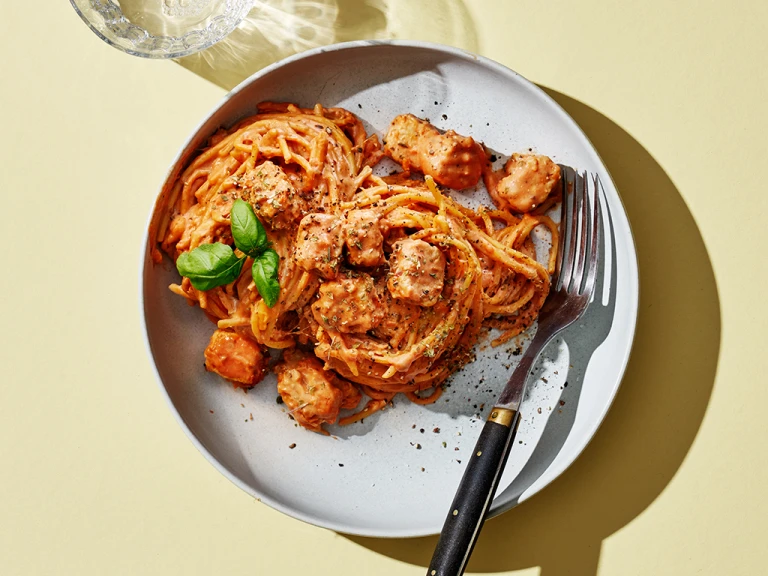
(633, 288)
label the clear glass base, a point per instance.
(162, 28)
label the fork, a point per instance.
(571, 291)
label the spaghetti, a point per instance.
(387, 280)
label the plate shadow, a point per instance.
(659, 407)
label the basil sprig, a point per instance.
(264, 271)
(250, 236)
(211, 265)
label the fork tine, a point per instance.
(580, 224)
(589, 283)
(571, 222)
(562, 237)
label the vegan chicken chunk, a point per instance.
(273, 197)
(451, 159)
(417, 270)
(529, 180)
(313, 395)
(319, 243)
(363, 238)
(349, 304)
(236, 358)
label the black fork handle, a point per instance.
(475, 494)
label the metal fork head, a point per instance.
(575, 275)
(579, 245)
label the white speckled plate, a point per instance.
(395, 474)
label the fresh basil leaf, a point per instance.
(210, 265)
(249, 234)
(265, 272)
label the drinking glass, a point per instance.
(162, 28)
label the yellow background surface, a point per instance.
(97, 478)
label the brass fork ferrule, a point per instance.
(502, 416)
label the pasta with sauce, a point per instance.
(385, 283)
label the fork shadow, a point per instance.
(659, 407)
(276, 29)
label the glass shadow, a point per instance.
(276, 29)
